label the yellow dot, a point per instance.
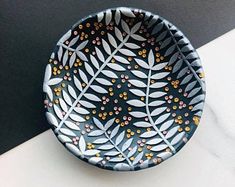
(80, 26)
(132, 133)
(190, 107)
(174, 107)
(113, 80)
(57, 93)
(140, 149)
(113, 60)
(176, 99)
(132, 158)
(121, 95)
(87, 117)
(140, 52)
(179, 117)
(59, 89)
(170, 68)
(128, 135)
(100, 115)
(110, 113)
(142, 98)
(148, 129)
(157, 59)
(143, 55)
(56, 101)
(138, 131)
(180, 129)
(157, 54)
(110, 89)
(86, 50)
(124, 93)
(166, 89)
(54, 73)
(125, 98)
(180, 122)
(78, 60)
(187, 129)
(86, 35)
(117, 120)
(122, 124)
(136, 66)
(105, 114)
(55, 90)
(144, 51)
(111, 93)
(60, 67)
(97, 155)
(129, 108)
(128, 130)
(103, 117)
(201, 75)
(83, 84)
(58, 72)
(75, 64)
(54, 68)
(63, 85)
(66, 67)
(93, 111)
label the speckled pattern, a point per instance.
(124, 89)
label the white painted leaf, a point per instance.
(116, 159)
(81, 56)
(100, 16)
(162, 118)
(137, 92)
(164, 155)
(99, 54)
(138, 37)
(87, 104)
(161, 36)
(121, 59)
(132, 152)
(63, 105)
(136, 103)
(67, 132)
(194, 92)
(91, 152)
(127, 52)
(136, 27)
(82, 144)
(127, 12)
(77, 83)
(92, 97)
(138, 158)
(89, 69)
(51, 119)
(151, 58)
(81, 45)
(108, 17)
(94, 62)
(95, 160)
(72, 92)
(114, 131)
(106, 47)
(48, 91)
(112, 153)
(173, 58)
(166, 125)
(109, 74)
(98, 123)
(132, 46)
(73, 41)
(170, 50)
(186, 79)
(182, 72)
(165, 43)
(117, 16)
(116, 67)
(177, 66)
(81, 110)
(139, 74)
(172, 132)
(122, 167)
(58, 112)
(157, 28)
(159, 66)
(118, 34)
(190, 86)
(59, 53)
(71, 125)
(161, 75)
(142, 124)
(73, 149)
(98, 89)
(103, 81)
(157, 94)
(127, 144)
(138, 114)
(156, 103)
(125, 27)
(158, 84)
(197, 99)
(154, 141)
(120, 138)
(67, 98)
(65, 57)
(158, 111)
(77, 118)
(65, 37)
(106, 147)
(83, 76)
(148, 134)
(109, 123)
(112, 40)
(47, 75)
(101, 141)
(138, 83)
(177, 138)
(54, 81)
(159, 147)
(142, 63)
(96, 133)
(64, 138)
(199, 106)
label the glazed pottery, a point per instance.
(124, 89)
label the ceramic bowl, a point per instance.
(124, 89)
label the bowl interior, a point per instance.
(124, 89)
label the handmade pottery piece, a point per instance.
(124, 89)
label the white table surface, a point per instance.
(207, 160)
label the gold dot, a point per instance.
(111, 93)
(86, 50)
(179, 117)
(80, 26)
(140, 52)
(86, 35)
(63, 85)
(128, 135)
(55, 90)
(136, 66)
(176, 100)
(113, 60)
(87, 117)
(132, 158)
(80, 64)
(58, 72)
(166, 89)
(54, 68)
(125, 97)
(162, 58)
(157, 54)
(110, 113)
(129, 59)
(110, 89)
(122, 124)
(138, 131)
(121, 95)
(103, 117)
(129, 108)
(140, 149)
(144, 51)
(174, 107)
(83, 84)
(100, 115)
(113, 80)
(201, 75)
(105, 114)
(93, 111)
(78, 60)
(157, 59)
(143, 55)
(187, 129)
(88, 25)
(180, 129)
(57, 93)
(132, 133)
(56, 101)
(142, 98)
(66, 67)
(60, 67)
(148, 129)
(190, 107)
(54, 73)
(75, 64)
(117, 120)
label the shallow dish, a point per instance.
(124, 89)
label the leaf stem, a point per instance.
(66, 47)
(151, 119)
(90, 82)
(116, 147)
(185, 60)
